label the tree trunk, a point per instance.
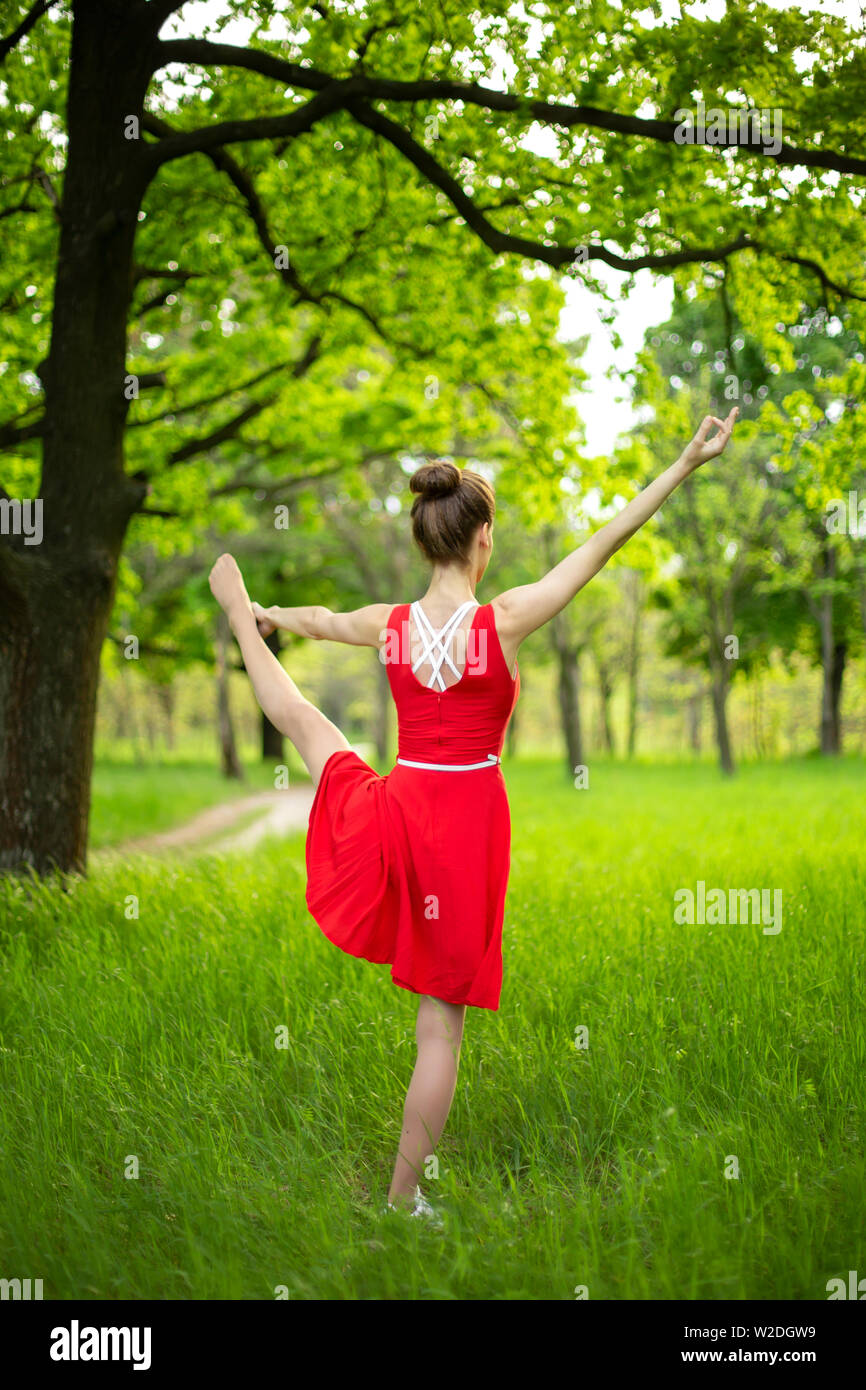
(165, 694)
(229, 760)
(273, 748)
(695, 708)
(758, 739)
(568, 687)
(569, 709)
(719, 688)
(833, 657)
(47, 713)
(605, 692)
(634, 655)
(56, 597)
(840, 657)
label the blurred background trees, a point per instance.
(256, 269)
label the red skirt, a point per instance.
(412, 869)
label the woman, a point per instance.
(412, 868)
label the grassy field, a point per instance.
(152, 1038)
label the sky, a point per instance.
(604, 404)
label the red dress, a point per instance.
(411, 868)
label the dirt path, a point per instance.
(270, 813)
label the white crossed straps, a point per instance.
(437, 644)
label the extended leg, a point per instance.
(439, 1034)
(312, 733)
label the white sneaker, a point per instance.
(421, 1208)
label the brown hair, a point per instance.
(451, 504)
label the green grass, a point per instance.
(262, 1166)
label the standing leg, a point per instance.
(439, 1034)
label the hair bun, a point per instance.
(435, 479)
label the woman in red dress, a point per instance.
(412, 868)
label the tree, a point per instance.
(719, 528)
(821, 475)
(114, 124)
(801, 384)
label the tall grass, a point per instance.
(709, 1048)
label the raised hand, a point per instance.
(701, 449)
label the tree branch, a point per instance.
(232, 427)
(501, 242)
(44, 181)
(207, 54)
(353, 94)
(206, 401)
(289, 483)
(807, 263)
(18, 207)
(208, 138)
(242, 181)
(268, 488)
(151, 272)
(147, 380)
(395, 23)
(224, 162)
(27, 23)
(225, 432)
(559, 256)
(12, 434)
(170, 653)
(156, 301)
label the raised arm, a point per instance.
(520, 611)
(361, 628)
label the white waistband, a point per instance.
(492, 760)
